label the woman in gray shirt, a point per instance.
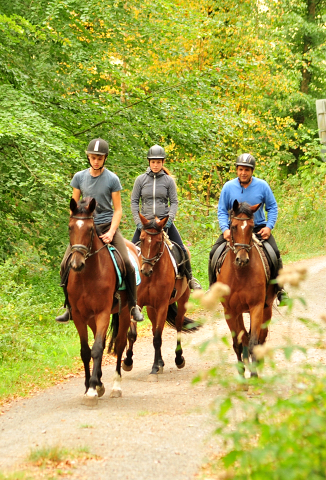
(157, 192)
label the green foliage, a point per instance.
(33, 349)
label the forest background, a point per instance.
(207, 80)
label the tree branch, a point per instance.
(135, 103)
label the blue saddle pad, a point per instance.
(122, 285)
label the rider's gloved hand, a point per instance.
(140, 226)
(168, 224)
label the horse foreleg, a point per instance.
(158, 320)
(120, 345)
(127, 363)
(264, 328)
(96, 388)
(85, 351)
(239, 337)
(256, 320)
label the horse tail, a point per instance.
(189, 326)
(113, 332)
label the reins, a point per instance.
(82, 249)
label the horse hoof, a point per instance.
(116, 394)
(181, 364)
(90, 401)
(100, 390)
(152, 377)
(126, 368)
(160, 369)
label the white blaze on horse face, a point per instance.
(149, 246)
(243, 226)
(80, 223)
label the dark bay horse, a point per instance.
(243, 271)
(92, 284)
(159, 291)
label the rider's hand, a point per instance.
(265, 233)
(227, 235)
(108, 236)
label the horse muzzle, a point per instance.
(241, 260)
(77, 262)
(147, 271)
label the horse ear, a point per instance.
(91, 206)
(73, 205)
(161, 223)
(235, 205)
(254, 208)
(143, 220)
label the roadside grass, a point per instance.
(50, 463)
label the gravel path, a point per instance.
(155, 430)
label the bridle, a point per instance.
(152, 261)
(82, 249)
(236, 247)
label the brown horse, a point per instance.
(243, 271)
(159, 291)
(92, 284)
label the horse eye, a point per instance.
(233, 227)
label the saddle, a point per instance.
(120, 267)
(266, 253)
(179, 258)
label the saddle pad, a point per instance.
(121, 283)
(175, 266)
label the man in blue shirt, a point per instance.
(246, 188)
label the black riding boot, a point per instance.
(131, 288)
(280, 292)
(211, 274)
(192, 281)
(65, 317)
(64, 273)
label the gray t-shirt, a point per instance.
(101, 189)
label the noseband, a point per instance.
(236, 247)
(152, 261)
(82, 249)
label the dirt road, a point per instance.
(155, 430)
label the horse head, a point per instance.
(242, 225)
(81, 231)
(152, 243)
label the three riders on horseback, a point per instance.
(156, 191)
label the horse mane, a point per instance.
(244, 207)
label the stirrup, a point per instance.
(194, 284)
(135, 312)
(281, 296)
(64, 318)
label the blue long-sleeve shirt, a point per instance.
(257, 192)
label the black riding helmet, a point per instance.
(246, 160)
(98, 146)
(156, 153)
